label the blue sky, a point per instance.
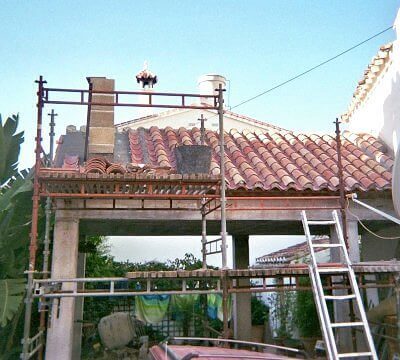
(255, 44)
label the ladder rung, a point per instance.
(326, 245)
(347, 324)
(213, 252)
(354, 354)
(332, 270)
(321, 222)
(340, 297)
(212, 241)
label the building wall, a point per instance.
(379, 112)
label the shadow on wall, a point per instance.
(390, 132)
(374, 249)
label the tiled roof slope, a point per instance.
(278, 160)
(293, 252)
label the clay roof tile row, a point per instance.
(275, 160)
(377, 66)
(265, 161)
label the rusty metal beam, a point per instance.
(87, 102)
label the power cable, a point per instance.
(366, 228)
(311, 69)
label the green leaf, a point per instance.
(18, 186)
(10, 143)
(11, 296)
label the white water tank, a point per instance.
(207, 85)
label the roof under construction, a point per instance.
(255, 161)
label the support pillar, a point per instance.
(242, 302)
(79, 302)
(342, 309)
(60, 334)
(353, 241)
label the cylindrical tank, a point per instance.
(207, 85)
(116, 330)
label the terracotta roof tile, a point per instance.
(293, 253)
(381, 183)
(387, 175)
(365, 182)
(269, 160)
(71, 162)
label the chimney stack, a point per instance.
(101, 131)
(207, 85)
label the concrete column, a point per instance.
(60, 335)
(371, 293)
(353, 240)
(242, 302)
(341, 309)
(79, 302)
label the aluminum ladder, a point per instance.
(321, 299)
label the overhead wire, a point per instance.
(311, 69)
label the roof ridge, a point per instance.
(177, 110)
(375, 68)
(288, 252)
(250, 119)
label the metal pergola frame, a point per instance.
(44, 96)
(212, 198)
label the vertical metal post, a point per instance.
(203, 234)
(397, 294)
(202, 129)
(353, 330)
(225, 296)
(34, 224)
(89, 110)
(52, 134)
(222, 166)
(341, 182)
(46, 242)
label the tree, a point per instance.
(259, 311)
(15, 219)
(306, 317)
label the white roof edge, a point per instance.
(241, 118)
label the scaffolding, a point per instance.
(202, 194)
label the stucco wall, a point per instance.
(379, 112)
